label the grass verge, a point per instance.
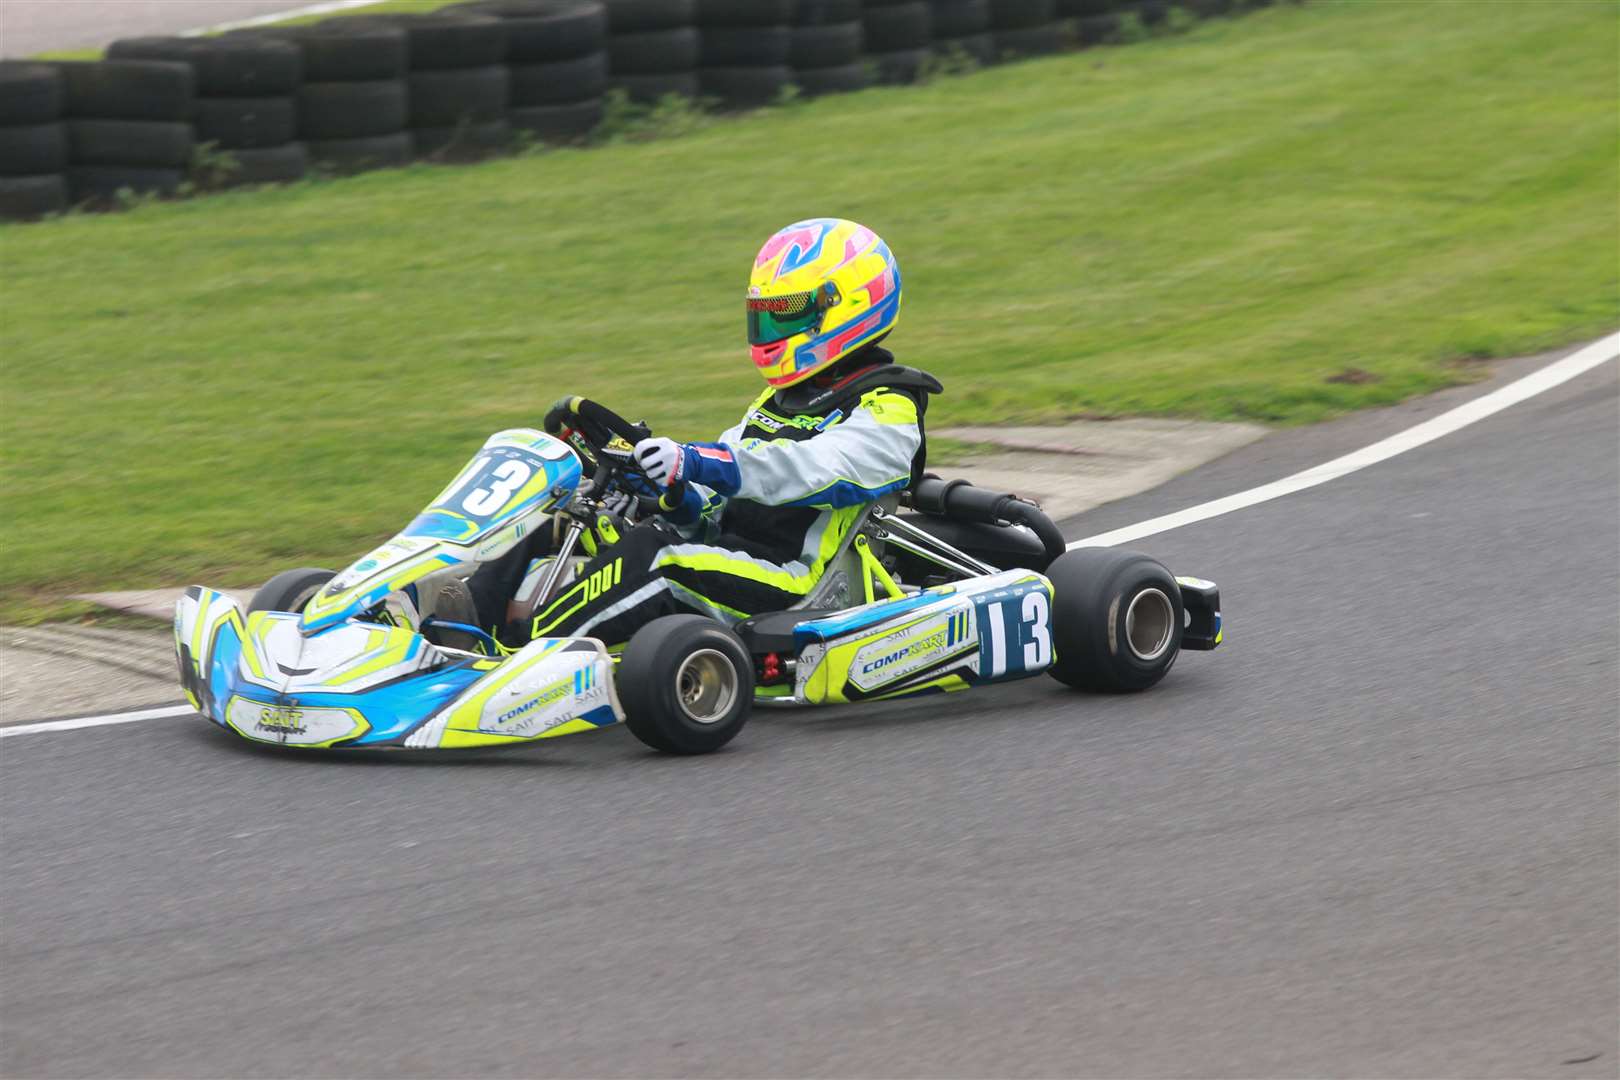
(1278, 218)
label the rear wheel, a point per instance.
(290, 590)
(1117, 619)
(686, 684)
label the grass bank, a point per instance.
(1280, 218)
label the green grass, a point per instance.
(1211, 225)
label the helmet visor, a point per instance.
(772, 318)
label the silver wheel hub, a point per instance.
(1150, 624)
(706, 686)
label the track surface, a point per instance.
(1375, 834)
(30, 27)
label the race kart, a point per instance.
(942, 588)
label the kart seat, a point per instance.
(773, 631)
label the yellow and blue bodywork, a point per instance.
(364, 685)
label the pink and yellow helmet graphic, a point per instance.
(820, 290)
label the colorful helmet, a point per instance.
(820, 290)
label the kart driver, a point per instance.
(767, 504)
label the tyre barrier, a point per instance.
(653, 48)
(962, 30)
(1025, 28)
(353, 103)
(33, 141)
(128, 127)
(899, 38)
(557, 64)
(743, 51)
(370, 91)
(247, 105)
(826, 46)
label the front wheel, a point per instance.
(290, 590)
(686, 684)
(1117, 619)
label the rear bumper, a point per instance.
(1202, 601)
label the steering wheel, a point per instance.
(603, 438)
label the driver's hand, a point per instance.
(661, 459)
(619, 503)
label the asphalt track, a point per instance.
(30, 27)
(1376, 834)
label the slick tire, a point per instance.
(744, 46)
(351, 110)
(686, 684)
(557, 123)
(359, 155)
(1028, 41)
(814, 82)
(960, 18)
(290, 590)
(25, 197)
(656, 52)
(147, 144)
(648, 89)
(744, 12)
(745, 87)
(560, 82)
(463, 95)
(825, 46)
(33, 149)
(898, 28)
(826, 12)
(128, 89)
(1116, 620)
(246, 123)
(103, 184)
(344, 50)
(643, 16)
(29, 93)
(1020, 14)
(547, 31)
(228, 66)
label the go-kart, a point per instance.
(939, 589)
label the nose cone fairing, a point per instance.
(357, 685)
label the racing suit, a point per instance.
(797, 471)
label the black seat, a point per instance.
(773, 631)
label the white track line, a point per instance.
(97, 721)
(327, 8)
(1537, 382)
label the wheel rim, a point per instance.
(706, 686)
(1149, 624)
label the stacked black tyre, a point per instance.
(899, 38)
(556, 54)
(353, 103)
(246, 105)
(128, 126)
(1023, 28)
(826, 47)
(1096, 22)
(962, 29)
(653, 48)
(458, 86)
(33, 142)
(744, 58)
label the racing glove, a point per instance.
(666, 461)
